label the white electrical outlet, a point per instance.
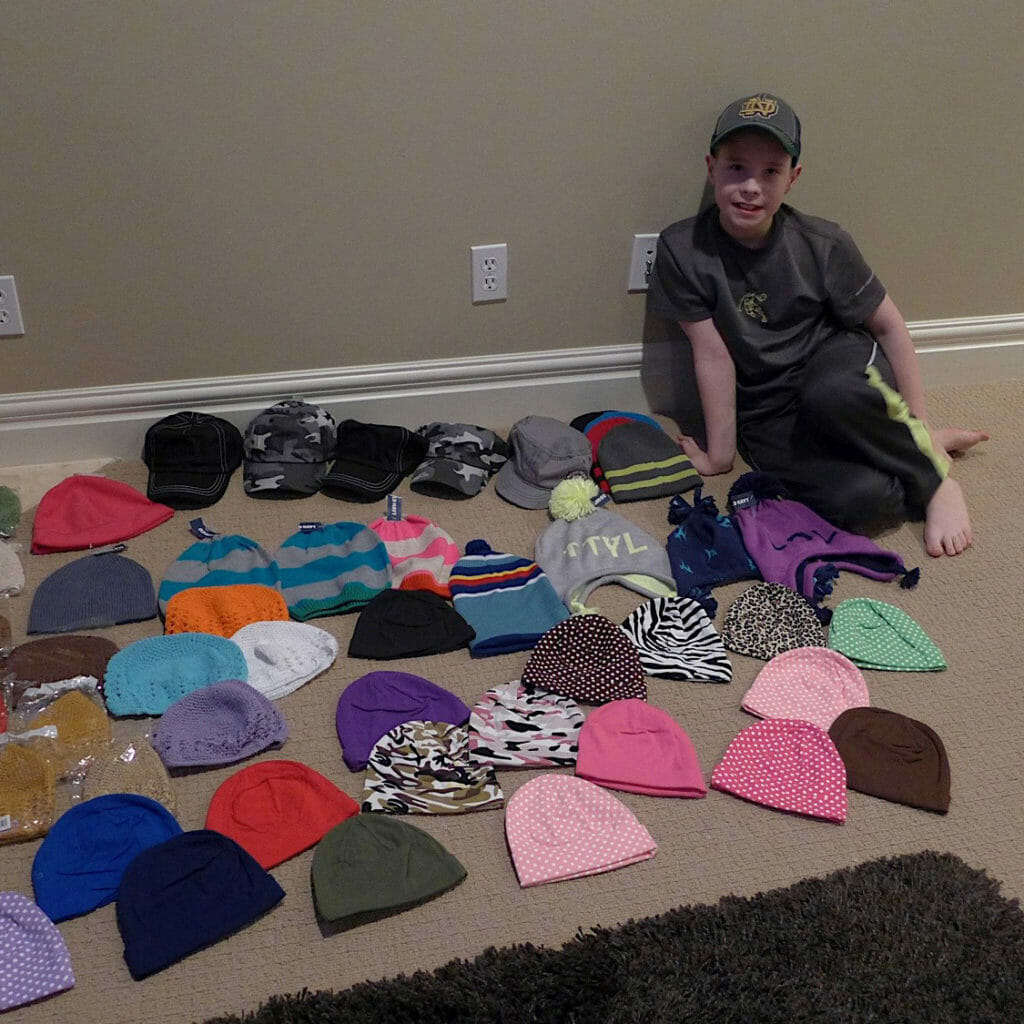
(11, 323)
(641, 261)
(489, 272)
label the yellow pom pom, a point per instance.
(573, 498)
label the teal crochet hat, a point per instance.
(874, 634)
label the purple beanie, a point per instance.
(35, 961)
(374, 704)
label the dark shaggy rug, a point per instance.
(921, 937)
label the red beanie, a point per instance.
(91, 511)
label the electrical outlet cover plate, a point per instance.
(489, 272)
(641, 261)
(11, 323)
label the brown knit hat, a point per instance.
(130, 766)
(893, 757)
(54, 658)
(83, 728)
(224, 610)
(28, 788)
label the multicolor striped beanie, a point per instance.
(374, 704)
(78, 866)
(277, 809)
(421, 553)
(216, 562)
(874, 634)
(676, 640)
(767, 619)
(331, 569)
(97, 590)
(408, 624)
(149, 675)
(222, 723)
(86, 511)
(282, 656)
(599, 549)
(185, 894)
(893, 757)
(507, 600)
(641, 462)
(510, 727)
(560, 827)
(223, 611)
(35, 962)
(813, 684)
(595, 425)
(633, 746)
(426, 768)
(587, 658)
(374, 865)
(785, 764)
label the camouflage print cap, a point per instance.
(287, 449)
(461, 458)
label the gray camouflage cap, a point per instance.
(287, 449)
(461, 458)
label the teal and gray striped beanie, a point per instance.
(215, 562)
(329, 569)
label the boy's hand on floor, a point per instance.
(700, 459)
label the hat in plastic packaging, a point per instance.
(97, 590)
(83, 729)
(35, 963)
(223, 611)
(587, 658)
(767, 619)
(10, 511)
(561, 827)
(222, 723)
(425, 768)
(676, 640)
(276, 809)
(52, 659)
(130, 766)
(371, 459)
(511, 727)
(786, 764)
(287, 448)
(28, 792)
(85, 511)
(78, 866)
(282, 656)
(408, 624)
(12, 572)
(878, 635)
(374, 865)
(460, 459)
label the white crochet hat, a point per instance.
(282, 656)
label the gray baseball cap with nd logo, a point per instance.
(544, 452)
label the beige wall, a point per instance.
(195, 189)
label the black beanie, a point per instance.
(407, 623)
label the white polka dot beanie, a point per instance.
(878, 635)
(588, 658)
(35, 961)
(282, 656)
(560, 827)
(814, 684)
(785, 764)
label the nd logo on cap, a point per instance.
(759, 106)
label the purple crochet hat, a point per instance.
(374, 704)
(222, 723)
(35, 961)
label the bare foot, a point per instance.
(947, 527)
(955, 440)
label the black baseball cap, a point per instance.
(765, 111)
(190, 456)
(371, 459)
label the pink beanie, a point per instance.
(560, 827)
(421, 553)
(86, 511)
(815, 684)
(786, 764)
(634, 746)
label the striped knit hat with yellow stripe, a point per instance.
(641, 461)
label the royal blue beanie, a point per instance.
(78, 866)
(188, 893)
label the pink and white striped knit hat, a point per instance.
(421, 553)
(814, 684)
(786, 764)
(560, 827)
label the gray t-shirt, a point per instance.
(773, 306)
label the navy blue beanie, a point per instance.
(188, 893)
(78, 866)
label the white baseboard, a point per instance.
(79, 424)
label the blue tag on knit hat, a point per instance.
(309, 526)
(199, 529)
(394, 505)
(601, 498)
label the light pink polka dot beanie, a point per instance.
(814, 684)
(560, 827)
(786, 764)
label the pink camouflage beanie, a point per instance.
(814, 684)
(633, 746)
(560, 827)
(786, 764)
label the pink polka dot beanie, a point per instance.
(785, 764)
(35, 961)
(814, 684)
(560, 827)
(633, 746)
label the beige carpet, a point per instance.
(971, 606)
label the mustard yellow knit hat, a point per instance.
(83, 729)
(28, 788)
